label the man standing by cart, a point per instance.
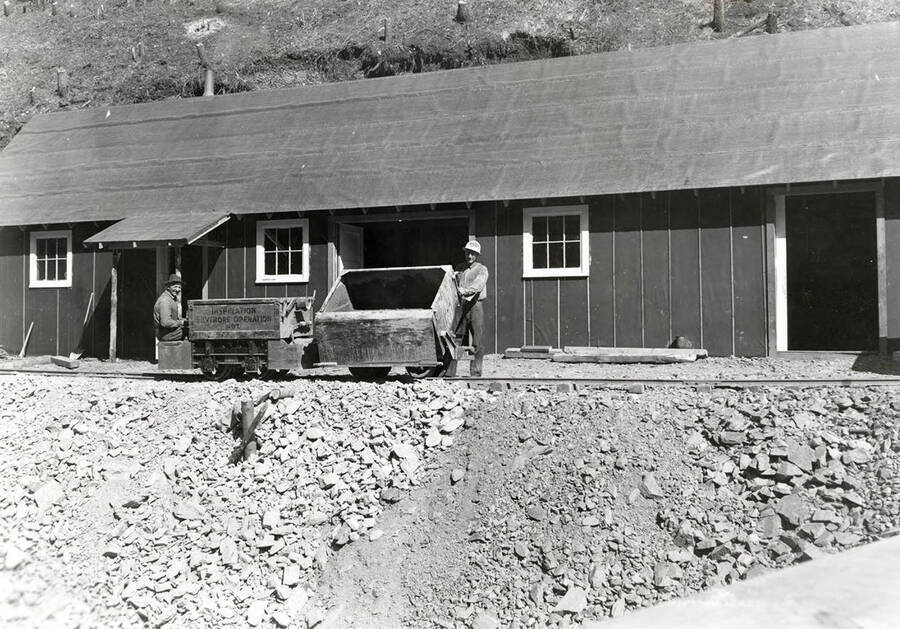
(471, 281)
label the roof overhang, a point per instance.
(159, 230)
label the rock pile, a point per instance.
(121, 503)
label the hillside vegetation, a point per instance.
(127, 51)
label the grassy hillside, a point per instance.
(262, 44)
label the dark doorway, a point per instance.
(832, 272)
(191, 274)
(414, 243)
(137, 293)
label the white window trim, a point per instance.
(33, 282)
(261, 277)
(528, 214)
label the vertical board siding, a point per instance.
(40, 308)
(529, 311)
(508, 273)
(74, 317)
(655, 226)
(600, 281)
(545, 293)
(216, 264)
(892, 261)
(685, 266)
(748, 247)
(715, 248)
(237, 250)
(12, 259)
(99, 322)
(485, 230)
(318, 260)
(251, 288)
(628, 286)
(573, 312)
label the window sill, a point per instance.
(283, 279)
(554, 273)
(64, 284)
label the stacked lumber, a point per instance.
(614, 355)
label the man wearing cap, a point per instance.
(471, 282)
(167, 317)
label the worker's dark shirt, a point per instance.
(167, 318)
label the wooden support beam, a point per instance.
(772, 23)
(462, 12)
(62, 82)
(7, 8)
(113, 305)
(718, 21)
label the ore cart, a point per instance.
(375, 319)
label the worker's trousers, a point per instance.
(471, 328)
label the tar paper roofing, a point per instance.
(805, 106)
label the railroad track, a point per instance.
(502, 383)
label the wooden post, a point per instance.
(718, 21)
(32, 97)
(7, 9)
(386, 34)
(113, 305)
(208, 83)
(54, 8)
(771, 23)
(25, 341)
(62, 83)
(462, 11)
(140, 51)
(247, 428)
(71, 10)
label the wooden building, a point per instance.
(742, 193)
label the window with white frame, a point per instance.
(282, 251)
(50, 259)
(555, 242)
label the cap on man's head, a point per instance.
(474, 246)
(174, 278)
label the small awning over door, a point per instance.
(158, 230)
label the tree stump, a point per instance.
(771, 23)
(462, 12)
(718, 21)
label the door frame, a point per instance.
(385, 216)
(776, 256)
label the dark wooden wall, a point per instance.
(58, 313)
(892, 261)
(663, 265)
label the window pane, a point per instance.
(61, 247)
(573, 255)
(63, 268)
(282, 237)
(573, 226)
(556, 255)
(296, 239)
(555, 227)
(539, 256)
(296, 262)
(282, 266)
(539, 229)
(269, 239)
(51, 270)
(270, 263)
(41, 246)
(42, 269)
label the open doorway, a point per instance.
(402, 242)
(831, 272)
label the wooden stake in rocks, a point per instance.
(7, 9)
(62, 83)
(718, 21)
(208, 77)
(71, 10)
(462, 11)
(386, 34)
(771, 23)
(54, 8)
(113, 305)
(32, 97)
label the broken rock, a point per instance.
(649, 487)
(573, 602)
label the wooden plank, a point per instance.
(715, 270)
(881, 264)
(99, 318)
(545, 295)
(685, 266)
(635, 351)
(573, 310)
(251, 288)
(244, 319)
(515, 352)
(748, 247)
(485, 230)
(11, 268)
(892, 261)
(508, 277)
(377, 337)
(600, 282)
(655, 227)
(546, 349)
(628, 270)
(65, 361)
(621, 358)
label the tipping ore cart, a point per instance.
(371, 320)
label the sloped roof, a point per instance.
(805, 106)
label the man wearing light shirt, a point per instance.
(471, 281)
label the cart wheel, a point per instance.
(418, 373)
(370, 373)
(221, 373)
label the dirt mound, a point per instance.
(557, 507)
